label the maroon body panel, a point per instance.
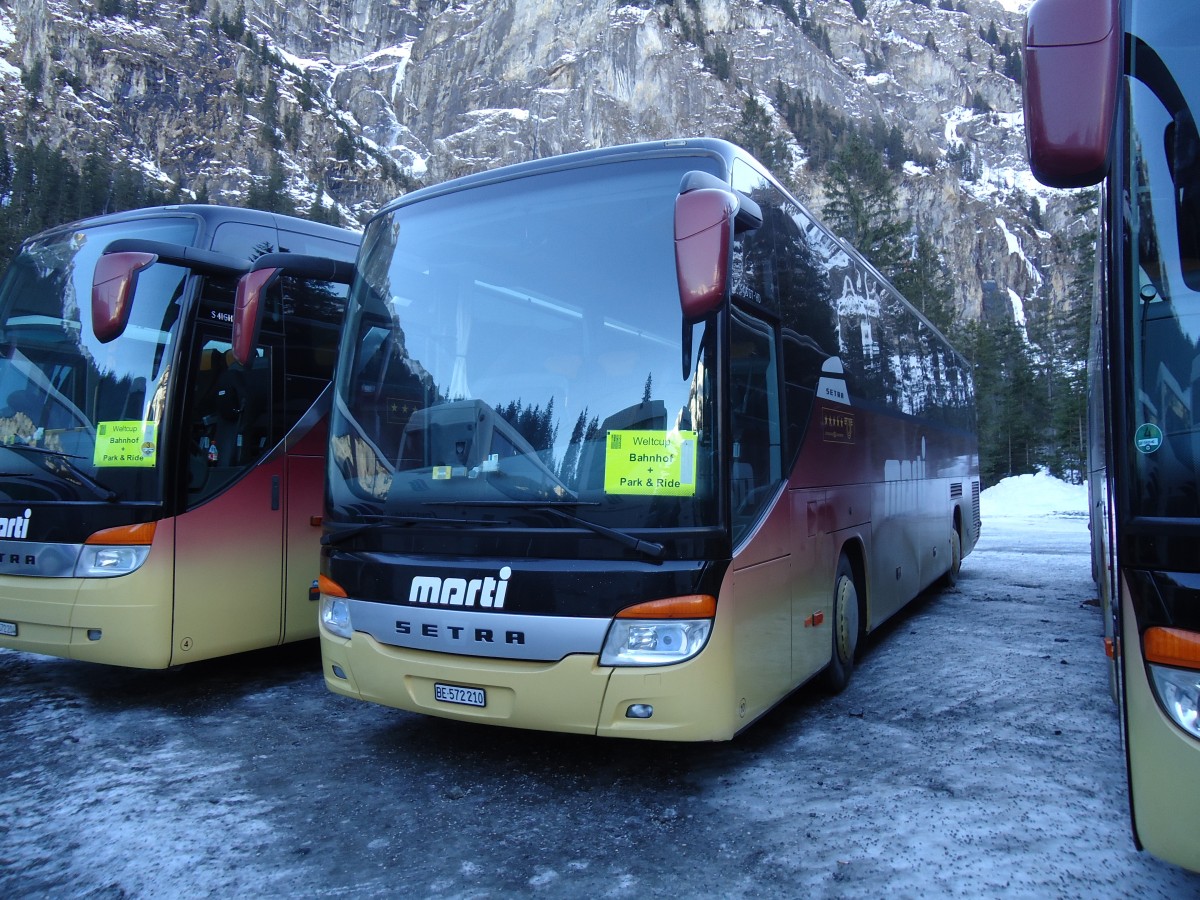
(1072, 63)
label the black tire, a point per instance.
(846, 618)
(950, 579)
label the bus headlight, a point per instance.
(108, 562)
(1173, 658)
(659, 632)
(335, 616)
(1179, 694)
(634, 642)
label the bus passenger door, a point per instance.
(311, 329)
(760, 517)
(308, 423)
(229, 541)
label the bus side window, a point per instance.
(231, 417)
(756, 465)
(312, 320)
(802, 361)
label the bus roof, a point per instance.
(709, 147)
(209, 216)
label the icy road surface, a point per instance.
(975, 754)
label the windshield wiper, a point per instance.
(652, 549)
(64, 460)
(345, 532)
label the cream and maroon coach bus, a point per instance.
(160, 503)
(626, 443)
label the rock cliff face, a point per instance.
(356, 101)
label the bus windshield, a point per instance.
(519, 345)
(81, 420)
(1164, 226)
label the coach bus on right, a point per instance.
(1109, 95)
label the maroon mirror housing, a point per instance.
(114, 282)
(248, 308)
(248, 311)
(703, 231)
(1072, 69)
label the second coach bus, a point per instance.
(1111, 98)
(625, 443)
(160, 503)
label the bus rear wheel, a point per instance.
(845, 627)
(951, 577)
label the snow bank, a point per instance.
(1022, 496)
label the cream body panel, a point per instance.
(131, 612)
(305, 499)
(229, 571)
(1163, 761)
(692, 701)
(813, 564)
(556, 696)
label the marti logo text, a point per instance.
(15, 528)
(486, 592)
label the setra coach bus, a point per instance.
(625, 443)
(1111, 97)
(159, 503)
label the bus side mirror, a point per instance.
(1072, 69)
(248, 306)
(248, 311)
(114, 282)
(703, 231)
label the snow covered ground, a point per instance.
(975, 754)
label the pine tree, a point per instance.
(270, 194)
(718, 63)
(925, 282)
(269, 108)
(1070, 333)
(584, 430)
(43, 187)
(1013, 68)
(6, 165)
(862, 205)
(1009, 407)
(756, 133)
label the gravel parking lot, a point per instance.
(976, 753)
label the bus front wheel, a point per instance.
(845, 627)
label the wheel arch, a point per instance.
(855, 552)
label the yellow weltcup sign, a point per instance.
(655, 463)
(126, 444)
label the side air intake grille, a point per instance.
(975, 505)
(956, 490)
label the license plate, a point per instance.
(453, 693)
(8, 629)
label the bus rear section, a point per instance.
(159, 503)
(625, 443)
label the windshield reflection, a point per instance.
(1164, 220)
(93, 409)
(501, 339)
